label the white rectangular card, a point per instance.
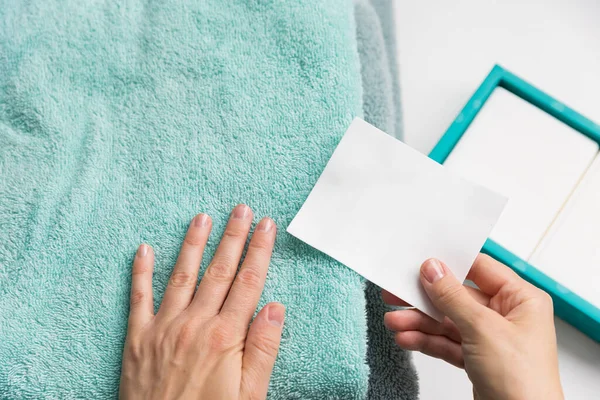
(382, 208)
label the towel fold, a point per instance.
(392, 374)
(119, 121)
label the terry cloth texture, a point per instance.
(386, 12)
(392, 374)
(380, 24)
(119, 121)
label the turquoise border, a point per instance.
(567, 305)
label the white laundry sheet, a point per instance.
(382, 208)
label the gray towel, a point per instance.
(392, 374)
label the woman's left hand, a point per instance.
(198, 345)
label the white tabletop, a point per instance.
(445, 50)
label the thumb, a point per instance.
(262, 345)
(449, 295)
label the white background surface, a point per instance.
(446, 48)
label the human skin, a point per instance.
(502, 334)
(199, 345)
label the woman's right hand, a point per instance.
(502, 334)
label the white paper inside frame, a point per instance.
(570, 251)
(525, 154)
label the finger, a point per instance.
(248, 285)
(181, 286)
(490, 275)
(392, 300)
(216, 282)
(435, 346)
(262, 345)
(450, 297)
(141, 310)
(413, 320)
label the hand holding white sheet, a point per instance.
(382, 208)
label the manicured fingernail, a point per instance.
(142, 250)
(432, 270)
(265, 225)
(240, 211)
(201, 220)
(276, 314)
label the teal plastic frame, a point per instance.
(567, 305)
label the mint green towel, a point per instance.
(120, 120)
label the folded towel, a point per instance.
(376, 39)
(392, 375)
(119, 121)
(386, 12)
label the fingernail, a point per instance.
(240, 211)
(201, 220)
(385, 317)
(432, 270)
(142, 250)
(276, 314)
(265, 225)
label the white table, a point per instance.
(445, 50)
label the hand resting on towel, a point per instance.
(198, 345)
